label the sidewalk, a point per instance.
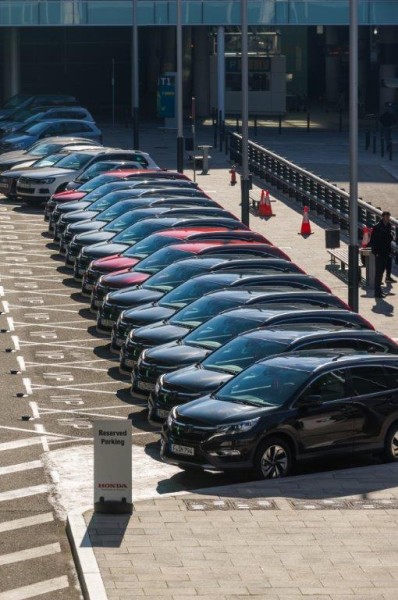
(324, 536)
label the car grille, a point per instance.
(110, 311)
(149, 372)
(122, 329)
(100, 291)
(26, 180)
(25, 190)
(73, 248)
(169, 398)
(132, 350)
(189, 433)
(68, 235)
(91, 274)
(61, 226)
(83, 261)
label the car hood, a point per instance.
(89, 238)
(124, 278)
(147, 315)
(70, 196)
(79, 215)
(114, 263)
(159, 333)
(22, 167)
(210, 411)
(176, 355)
(133, 297)
(73, 206)
(50, 172)
(15, 156)
(81, 227)
(195, 380)
(17, 138)
(101, 249)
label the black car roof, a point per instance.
(316, 312)
(317, 360)
(312, 332)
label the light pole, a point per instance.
(135, 80)
(180, 132)
(353, 275)
(244, 181)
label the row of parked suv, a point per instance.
(245, 360)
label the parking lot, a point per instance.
(59, 375)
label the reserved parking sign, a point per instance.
(112, 466)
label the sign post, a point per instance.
(112, 467)
(166, 100)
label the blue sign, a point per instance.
(166, 96)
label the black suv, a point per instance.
(287, 408)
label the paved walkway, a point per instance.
(321, 536)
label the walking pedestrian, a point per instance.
(380, 243)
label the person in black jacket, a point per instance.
(380, 243)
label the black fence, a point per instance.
(322, 197)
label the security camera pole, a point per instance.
(180, 132)
(135, 78)
(353, 252)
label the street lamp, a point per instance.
(353, 275)
(244, 181)
(135, 79)
(180, 133)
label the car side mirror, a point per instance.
(310, 401)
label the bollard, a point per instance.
(374, 143)
(280, 125)
(308, 121)
(367, 139)
(382, 146)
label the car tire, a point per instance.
(390, 453)
(273, 459)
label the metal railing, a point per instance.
(322, 197)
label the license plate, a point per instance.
(163, 414)
(97, 303)
(144, 385)
(4, 186)
(81, 271)
(119, 341)
(106, 322)
(185, 450)
(87, 286)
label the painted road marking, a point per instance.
(27, 466)
(31, 441)
(62, 436)
(32, 490)
(26, 522)
(36, 589)
(37, 552)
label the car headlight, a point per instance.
(241, 427)
(172, 417)
(141, 358)
(45, 180)
(159, 384)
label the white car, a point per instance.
(37, 187)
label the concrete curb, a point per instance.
(84, 557)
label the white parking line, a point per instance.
(27, 466)
(37, 552)
(31, 441)
(36, 589)
(26, 522)
(21, 363)
(32, 490)
(28, 385)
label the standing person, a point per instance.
(380, 243)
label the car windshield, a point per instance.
(168, 278)
(189, 291)
(241, 353)
(201, 310)
(137, 232)
(94, 170)
(44, 148)
(264, 385)
(114, 211)
(219, 330)
(150, 244)
(75, 161)
(123, 220)
(48, 161)
(21, 115)
(161, 259)
(94, 185)
(33, 129)
(15, 101)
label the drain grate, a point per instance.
(377, 504)
(327, 504)
(230, 504)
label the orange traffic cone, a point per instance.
(305, 225)
(366, 233)
(264, 208)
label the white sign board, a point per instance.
(112, 464)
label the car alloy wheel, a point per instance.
(391, 444)
(273, 459)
